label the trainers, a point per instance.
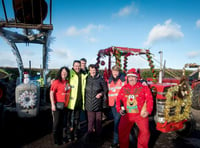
(115, 145)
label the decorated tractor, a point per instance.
(172, 98)
(26, 24)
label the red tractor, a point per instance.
(194, 81)
(172, 97)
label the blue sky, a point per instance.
(82, 27)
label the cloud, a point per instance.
(86, 33)
(198, 23)
(60, 57)
(73, 31)
(62, 53)
(127, 10)
(7, 59)
(92, 40)
(193, 54)
(167, 31)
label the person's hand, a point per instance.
(122, 112)
(53, 107)
(144, 114)
(98, 95)
(144, 83)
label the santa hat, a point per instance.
(132, 72)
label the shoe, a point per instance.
(115, 145)
(75, 138)
(69, 139)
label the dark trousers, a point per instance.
(94, 120)
(58, 117)
(68, 122)
(74, 123)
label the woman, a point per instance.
(96, 88)
(59, 97)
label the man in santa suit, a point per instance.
(138, 103)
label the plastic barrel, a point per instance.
(27, 98)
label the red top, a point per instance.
(134, 97)
(61, 91)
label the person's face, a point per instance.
(83, 64)
(64, 74)
(92, 71)
(132, 80)
(77, 67)
(115, 73)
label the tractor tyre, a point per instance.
(189, 127)
(196, 97)
(2, 91)
(10, 93)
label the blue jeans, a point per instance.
(116, 117)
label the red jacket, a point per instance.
(134, 97)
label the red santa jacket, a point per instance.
(134, 97)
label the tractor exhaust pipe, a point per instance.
(161, 69)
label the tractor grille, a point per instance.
(160, 106)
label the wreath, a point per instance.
(27, 99)
(181, 103)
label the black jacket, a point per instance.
(95, 85)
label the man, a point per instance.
(77, 96)
(115, 82)
(133, 96)
(84, 69)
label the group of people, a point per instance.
(82, 89)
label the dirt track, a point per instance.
(36, 133)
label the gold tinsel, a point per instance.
(178, 103)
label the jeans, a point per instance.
(74, 123)
(116, 117)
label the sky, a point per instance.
(82, 27)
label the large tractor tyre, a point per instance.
(196, 97)
(189, 127)
(10, 93)
(2, 92)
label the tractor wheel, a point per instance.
(2, 92)
(189, 127)
(10, 93)
(196, 97)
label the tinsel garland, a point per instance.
(178, 103)
(109, 65)
(149, 58)
(118, 58)
(98, 60)
(125, 63)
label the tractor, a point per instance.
(25, 25)
(172, 97)
(194, 81)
